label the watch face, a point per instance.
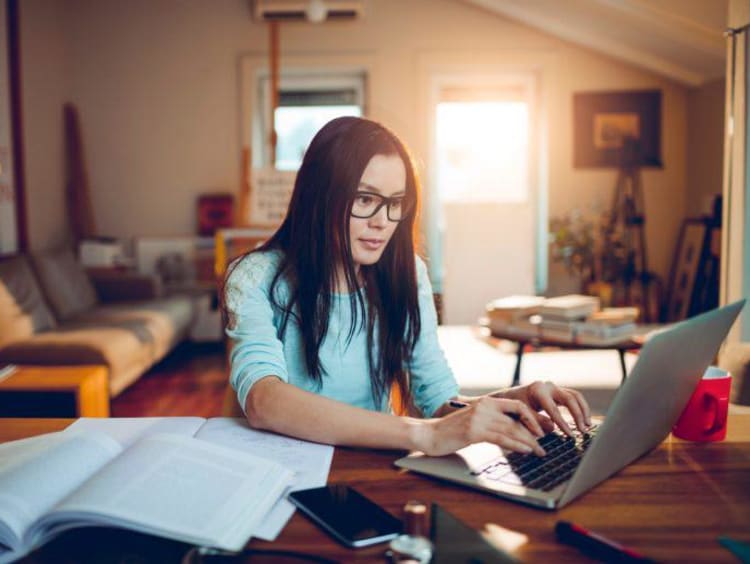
(409, 547)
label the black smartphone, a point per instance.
(347, 515)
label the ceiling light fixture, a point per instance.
(316, 11)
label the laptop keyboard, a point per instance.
(541, 472)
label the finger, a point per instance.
(584, 406)
(513, 429)
(548, 404)
(521, 412)
(566, 397)
(547, 424)
(509, 442)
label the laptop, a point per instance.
(650, 401)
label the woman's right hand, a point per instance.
(508, 423)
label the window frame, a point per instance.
(309, 80)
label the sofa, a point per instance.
(54, 312)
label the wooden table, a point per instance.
(80, 391)
(671, 505)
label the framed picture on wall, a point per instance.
(604, 122)
(685, 268)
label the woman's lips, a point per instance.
(371, 244)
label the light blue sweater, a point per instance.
(257, 351)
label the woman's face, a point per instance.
(384, 175)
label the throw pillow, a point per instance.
(23, 310)
(65, 283)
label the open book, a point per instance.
(151, 476)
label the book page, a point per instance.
(126, 430)
(14, 452)
(310, 462)
(181, 488)
(34, 476)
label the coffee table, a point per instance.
(55, 391)
(522, 341)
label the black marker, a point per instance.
(595, 544)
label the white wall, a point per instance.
(705, 149)
(157, 86)
(45, 76)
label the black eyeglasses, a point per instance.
(367, 204)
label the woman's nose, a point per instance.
(380, 218)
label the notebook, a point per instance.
(642, 413)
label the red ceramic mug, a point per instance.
(705, 415)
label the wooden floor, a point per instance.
(189, 381)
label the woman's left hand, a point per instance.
(547, 396)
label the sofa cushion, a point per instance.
(158, 324)
(23, 310)
(64, 282)
(118, 348)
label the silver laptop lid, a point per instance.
(653, 396)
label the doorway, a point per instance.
(484, 155)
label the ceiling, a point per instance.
(680, 39)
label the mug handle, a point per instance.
(720, 407)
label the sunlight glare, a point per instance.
(483, 151)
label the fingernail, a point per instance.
(525, 448)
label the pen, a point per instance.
(595, 544)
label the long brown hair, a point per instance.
(314, 238)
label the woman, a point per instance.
(335, 311)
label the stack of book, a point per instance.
(573, 319)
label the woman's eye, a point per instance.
(396, 204)
(364, 200)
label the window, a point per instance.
(306, 103)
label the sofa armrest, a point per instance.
(120, 286)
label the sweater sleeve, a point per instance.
(256, 350)
(432, 380)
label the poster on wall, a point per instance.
(270, 192)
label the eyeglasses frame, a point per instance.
(386, 200)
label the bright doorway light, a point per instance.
(483, 151)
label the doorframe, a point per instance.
(542, 66)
